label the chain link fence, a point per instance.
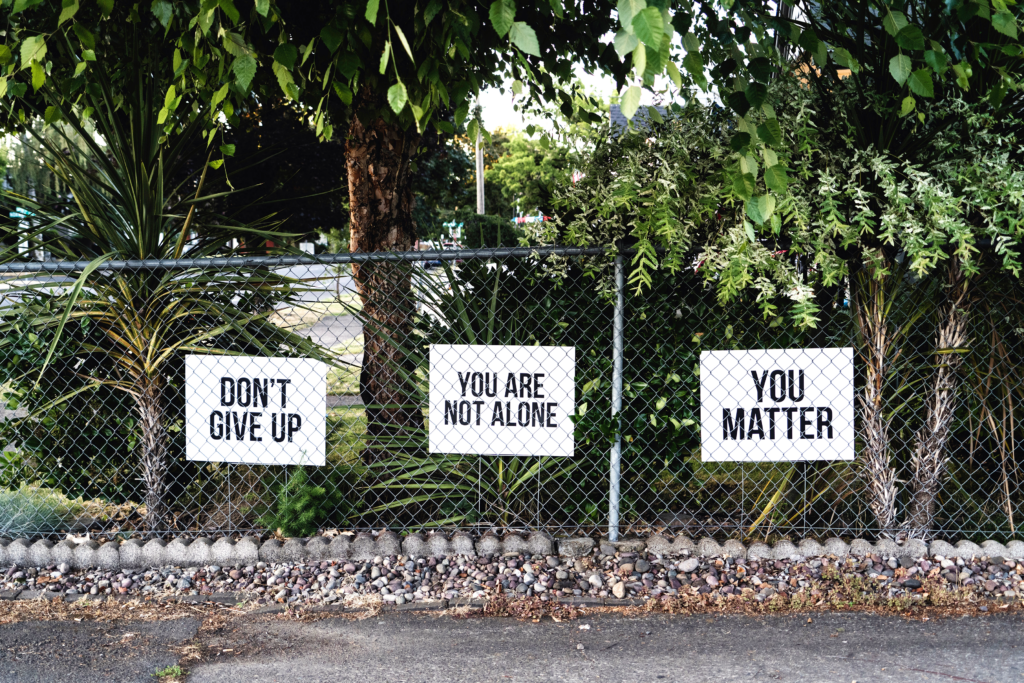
(94, 380)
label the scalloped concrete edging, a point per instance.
(226, 552)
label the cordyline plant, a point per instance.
(934, 201)
(125, 200)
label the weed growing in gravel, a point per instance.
(170, 672)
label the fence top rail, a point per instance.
(303, 260)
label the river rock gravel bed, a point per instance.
(401, 580)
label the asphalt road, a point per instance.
(424, 647)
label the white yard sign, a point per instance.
(255, 410)
(776, 406)
(502, 400)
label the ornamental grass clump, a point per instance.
(33, 510)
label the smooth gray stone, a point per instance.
(784, 550)
(270, 551)
(39, 553)
(154, 553)
(415, 546)
(513, 543)
(18, 552)
(861, 548)
(942, 548)
(995, 549)
(575, 547)
(1015, 549)
(683, 544)
(293, 551)
(108, 557)
(630, 545)
(708, 547)
(222, 553)
(85, 555)
(4, 542)
(364, 548)
(488, 545)
(733, 548)
(759, 551)
(837, 547)
(810, 548)
(176, 552)
(131, 554)
(540, 543)
(388, 544)
(341, 546)
(888, 548)
(462, 544)
(318, 549)
(659, 545)
(967, 549)
(438, 545)
(199, 553)
(916, 548)
(64, 553)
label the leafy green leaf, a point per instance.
(770, 131)
(761, 208)
(761, 68)
(503, 15)
(556, 7)
(473, 130)
(962, 76)
(690, 43)
(217, 163)
(433, 7)
(163, 11)
(244, 68)
(38, 75)
(371, 11)
(743, 185)
(68, 9)
(921, 83)
(20, 5)
(749, 229)
(332, 38)
(739, 102)
(228, 7)
(397, 97)
(219, 96)
(384, 57)
(227, 150)
(844, 58)
(405, 43)
(776, 179)
(32, 48)
(818, 49)
(628, 9)
(343, 92)
(524, 38)
(5, 55)
(673, 73)
(263, 7)
(1005, 23)
(106, 7)
(909, 103)
(87, 39)
(739, 141)
(893, 22)
(285, 55)
(517, 87)
(910, 38)
(756, 94)
(625, 42)
(936, 60)
(630, 101)
(899, 67)
(649, 27)
(694, 66)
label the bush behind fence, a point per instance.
(79, 455)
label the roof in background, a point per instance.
(640, 120)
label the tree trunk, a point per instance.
(928, 463)
(868, 297)
(150, 404)
(381, 201)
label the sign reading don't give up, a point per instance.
(255, 410)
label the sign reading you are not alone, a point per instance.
(255, 410)
(777, 405)
(502, 400)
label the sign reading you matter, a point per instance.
(255, 410)
(776, 405)
(502, 400)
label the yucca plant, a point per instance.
(481, 303)
(127, 199)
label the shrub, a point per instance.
(307, 502)
(32, 509)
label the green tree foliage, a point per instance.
(526, 172)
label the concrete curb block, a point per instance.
(226, 552)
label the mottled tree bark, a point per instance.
(150, 405)
(928, 463)
(381, 201)
(869, 295)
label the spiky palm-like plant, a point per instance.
(126, 201)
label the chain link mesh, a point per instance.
(94, 437)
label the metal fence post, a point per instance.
(616, 455)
